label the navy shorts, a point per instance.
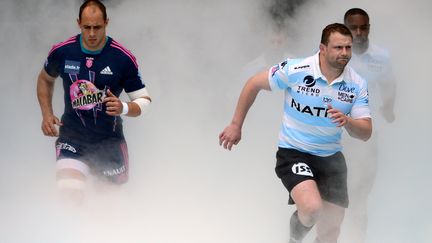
(329, 173)
(107, 158)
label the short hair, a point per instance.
(96, 3)
(331, 28)
(355, 11)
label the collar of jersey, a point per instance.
(319, 74)
(86, 51)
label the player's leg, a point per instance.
(71, 171)
(329, 224)
(309, 207)
(71, 176)
(333, 190)
(296, 175)
(111, 160)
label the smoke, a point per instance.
(183, 187)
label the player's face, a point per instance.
(93, 27)
(337, 52)
(359, 27)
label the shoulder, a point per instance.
(304, 64)
(61, 46)
(122, 51)
(352, 76)
(378, 52)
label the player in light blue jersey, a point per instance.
(322, 96)
(374, 64)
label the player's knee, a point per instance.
(310, 213)
(71, 190)
(71, 180)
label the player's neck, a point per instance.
(95, 50)
(360, 49)
(329, 72)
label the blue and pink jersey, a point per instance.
(86, 78)
(306, 124)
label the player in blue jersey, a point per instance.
(374, 64)
(95, 69)
(322, 96)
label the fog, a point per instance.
(194, 57)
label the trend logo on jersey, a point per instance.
(84, 95)
(309, 82)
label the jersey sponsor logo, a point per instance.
(115, 172)
(345, 88)
(66, 146)
(309, 81)
(346, 97)
(313, 111)
(307, 89)
(84, 95)
(301, 67)
(346, 93)
(302, 169)
(72, 67)
(107, 71)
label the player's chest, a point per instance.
(317, 92)
(101, 72)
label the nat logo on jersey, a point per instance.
(302, 169)
(84, 95)
(311, 110)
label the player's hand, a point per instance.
(114, 106)
(230, 136)
(48, 125)
(337, 116)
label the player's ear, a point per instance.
(106, 21)
(321, 47)
(78, 22)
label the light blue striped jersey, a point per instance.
(306, 125)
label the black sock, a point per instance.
(298, 230)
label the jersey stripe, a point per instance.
(66, 42)
(117, 45)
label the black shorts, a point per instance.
(330, 173)
(107, 158)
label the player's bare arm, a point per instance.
(357, 128)
(231, 135)
(45, 89)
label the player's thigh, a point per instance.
(111, 160)
(298, 176)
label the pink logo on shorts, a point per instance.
(84, 95)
